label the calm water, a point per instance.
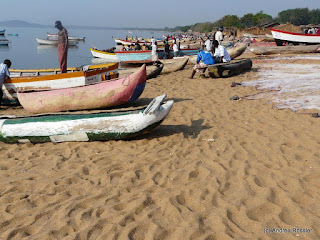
(25, 52)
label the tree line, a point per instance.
(297, 16)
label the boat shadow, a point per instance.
(188, 131)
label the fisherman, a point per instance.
(62, 46)
(219, 35)
(220, 53)
(208, 44)
(166, 50)
(4, 74)
(137, 46)
(206, 59)
(154, 53)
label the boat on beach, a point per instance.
(54, 36)
(79, 77)
(100, 95)
(137, 56)
(233, 52)
(283, 37)
(173, 65)
(229, 69)
(55, 42)
(2, 32)
(268, 50)
(82, 127)
(152, 71)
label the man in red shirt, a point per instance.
(62, 46)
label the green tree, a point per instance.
(297, 16)
(230, 21)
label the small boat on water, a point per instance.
(4, 42)
(81, 127)
(52, 79)
(13, 34)
(55, 42)
(2, 32)
(267, 50)
(54, 36)
(283, 37)
(100, 95)
(173, 65)
(224, 70)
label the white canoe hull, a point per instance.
(294, 38)
(112, 57)
(55, 42)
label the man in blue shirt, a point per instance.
(4, 74)
(206, 59)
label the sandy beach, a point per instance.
(214, 169)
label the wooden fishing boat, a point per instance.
(233, 52)
(2, 32)
(55, 42)
(173, 65)
(77, 78)
(223, 70)
(84, 127)
(4, 42)
(51, 71)
(53, 36)
(283, 37)
(100, 95)
(267, 50)
(152, 71)
(112, 57)
(137, 56)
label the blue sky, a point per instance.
(140, 13)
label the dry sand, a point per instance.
(214, 169)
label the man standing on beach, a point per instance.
(4, 74)
(219, 35)
(62, 46)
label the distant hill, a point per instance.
(20, 23)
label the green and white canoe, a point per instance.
(84, 127)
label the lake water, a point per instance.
(25, 52)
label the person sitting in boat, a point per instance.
(220, 53)
(206, 59)
(122, 48)
(144, 47)
(4, 74)
(137, 46)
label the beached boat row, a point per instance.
(136, 56)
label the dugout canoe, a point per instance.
(42, 41)
(268, 50)
(51, 71)
(224, 70)
(56, 81)
(84, 127)
(233, 52)
(173, 65)
(2, 32)
(100, 95)
(152, 71)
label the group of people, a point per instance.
(213, 52)
(313, 30)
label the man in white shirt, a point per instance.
(219, 35)
(154, 53)
(175, 49)
(208, 44)
(220, 53)
(4, 74)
